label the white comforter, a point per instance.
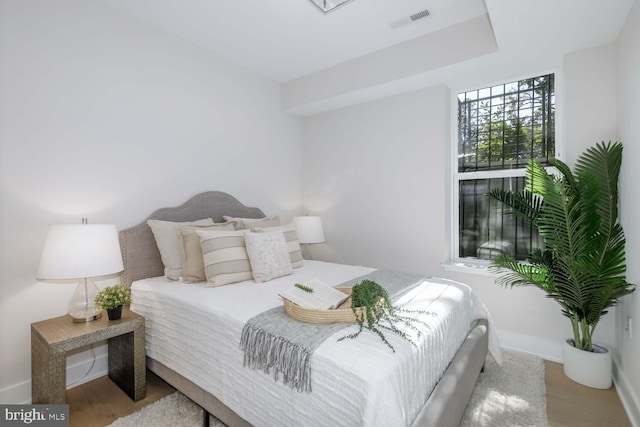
(195, 330)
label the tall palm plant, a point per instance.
(582, 265)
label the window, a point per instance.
(500, 128)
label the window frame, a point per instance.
(474, 265)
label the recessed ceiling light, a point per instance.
(329, 5)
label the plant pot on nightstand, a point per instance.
(114, 313)
(590, 368)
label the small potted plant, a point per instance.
(112, 298)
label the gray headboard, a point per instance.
(140, 254)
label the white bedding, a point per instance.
(195, 330)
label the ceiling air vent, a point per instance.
(408, 20)
(419, 15)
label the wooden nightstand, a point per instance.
(52, 339)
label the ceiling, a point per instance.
(556, 26)
(287, 39)
(294, 43)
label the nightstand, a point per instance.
(52, 339)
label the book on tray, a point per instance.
(315, 295)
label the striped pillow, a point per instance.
(225, 257)
(291, 237)
(192, 265)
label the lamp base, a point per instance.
(82, 307)
(88, 315)
(306, 252)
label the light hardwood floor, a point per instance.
(100, 402)
(572, 404)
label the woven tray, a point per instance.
(343, 313)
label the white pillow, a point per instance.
(268, 255)
(291, 237)
(224, 256)
(169, 241)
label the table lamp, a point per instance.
(81, 251)
(309, 230)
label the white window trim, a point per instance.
(472, 265)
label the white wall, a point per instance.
(104, 117)
(628, 114)
(365, 173)
(377, 174)
(590, 91)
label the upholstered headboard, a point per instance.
(140, 254)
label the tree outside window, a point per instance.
(500, 128)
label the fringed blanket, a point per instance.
(278, 344)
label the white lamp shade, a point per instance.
(309, 229)
(76, 251)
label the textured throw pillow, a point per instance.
(291, 237)
(268, 255)
(192, 264)
(169, 241)
(224, 256)
(251, 223)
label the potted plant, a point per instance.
(582, 264)
(112, 298)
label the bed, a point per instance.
(193, 335)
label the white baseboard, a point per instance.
(17, 394)
(627, 394)
(546, 349)
(78, 373)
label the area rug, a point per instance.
(509, 395)
(513, 394)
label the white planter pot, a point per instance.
(592, 369)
